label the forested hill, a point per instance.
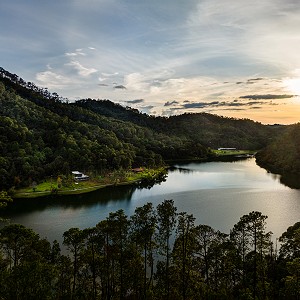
(41, 134)
(282, 156)
(210, 130)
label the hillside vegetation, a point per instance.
(282, 156)
(43, 135)
(207, 129)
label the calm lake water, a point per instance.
(216, 193)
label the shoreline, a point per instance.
(147, 176)
(76, 191)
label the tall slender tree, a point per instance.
(74, 240)
(166, 223)
(143, 227)
(184, 249)
(118, 227)
(250, 235)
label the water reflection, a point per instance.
(290, 180)
(181, 170)
(216, 193)
(102, 196)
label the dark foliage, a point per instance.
(282, 156)
(42, 135)
(133, 258)
(207, 129)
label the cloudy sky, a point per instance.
(163, 57)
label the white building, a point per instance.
(78, 176)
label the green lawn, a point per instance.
(233, 152)
(69, 186)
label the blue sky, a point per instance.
(161, 57)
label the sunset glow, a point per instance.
(293, 85)
(160, 57)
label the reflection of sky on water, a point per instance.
(216, 193)
(215, 175)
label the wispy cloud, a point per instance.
(136, 101)
(171, 103)
(83, 71)
(110, 74)
(121, 87)
(199, 104)
(77, 52)
(52, 80)
(266, 97)
(202, 52)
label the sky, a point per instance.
(163, 57)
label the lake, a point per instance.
(216, 193)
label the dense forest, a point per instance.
(157, 253)
(282, 155)
(42, 134)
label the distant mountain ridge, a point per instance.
(208, 129)
(42, 134)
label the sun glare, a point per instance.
(293, 85)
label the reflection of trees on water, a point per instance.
(290, 180)
(101, 196)
(149, 182)
(182, 170)
(220, 158)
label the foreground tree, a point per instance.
(290, 240)
(166, 223)
(74, 240)
(143, 224)
(116, 260)
(252, 242)
(292, 280)
(183, 252)
(27, 269)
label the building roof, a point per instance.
(76, 173)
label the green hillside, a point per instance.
(207, 129)
(282, 156)
(43, 135)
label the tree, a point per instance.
(183, 251)
(112, 237)
(251, 241)
(73, 239)
(166, 223)
(118, 225)
(143, 229)
(290, 239)
(205, 236)
(17, 241)
(29, 269)
(292, 281)
(91, 256)
(4, 199)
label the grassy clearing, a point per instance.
(233, 152)
(67, 186)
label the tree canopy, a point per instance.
(157, 253)
(282, 156)
(42, 134)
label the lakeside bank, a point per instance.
(145, 177)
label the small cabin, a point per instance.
(79, 176)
